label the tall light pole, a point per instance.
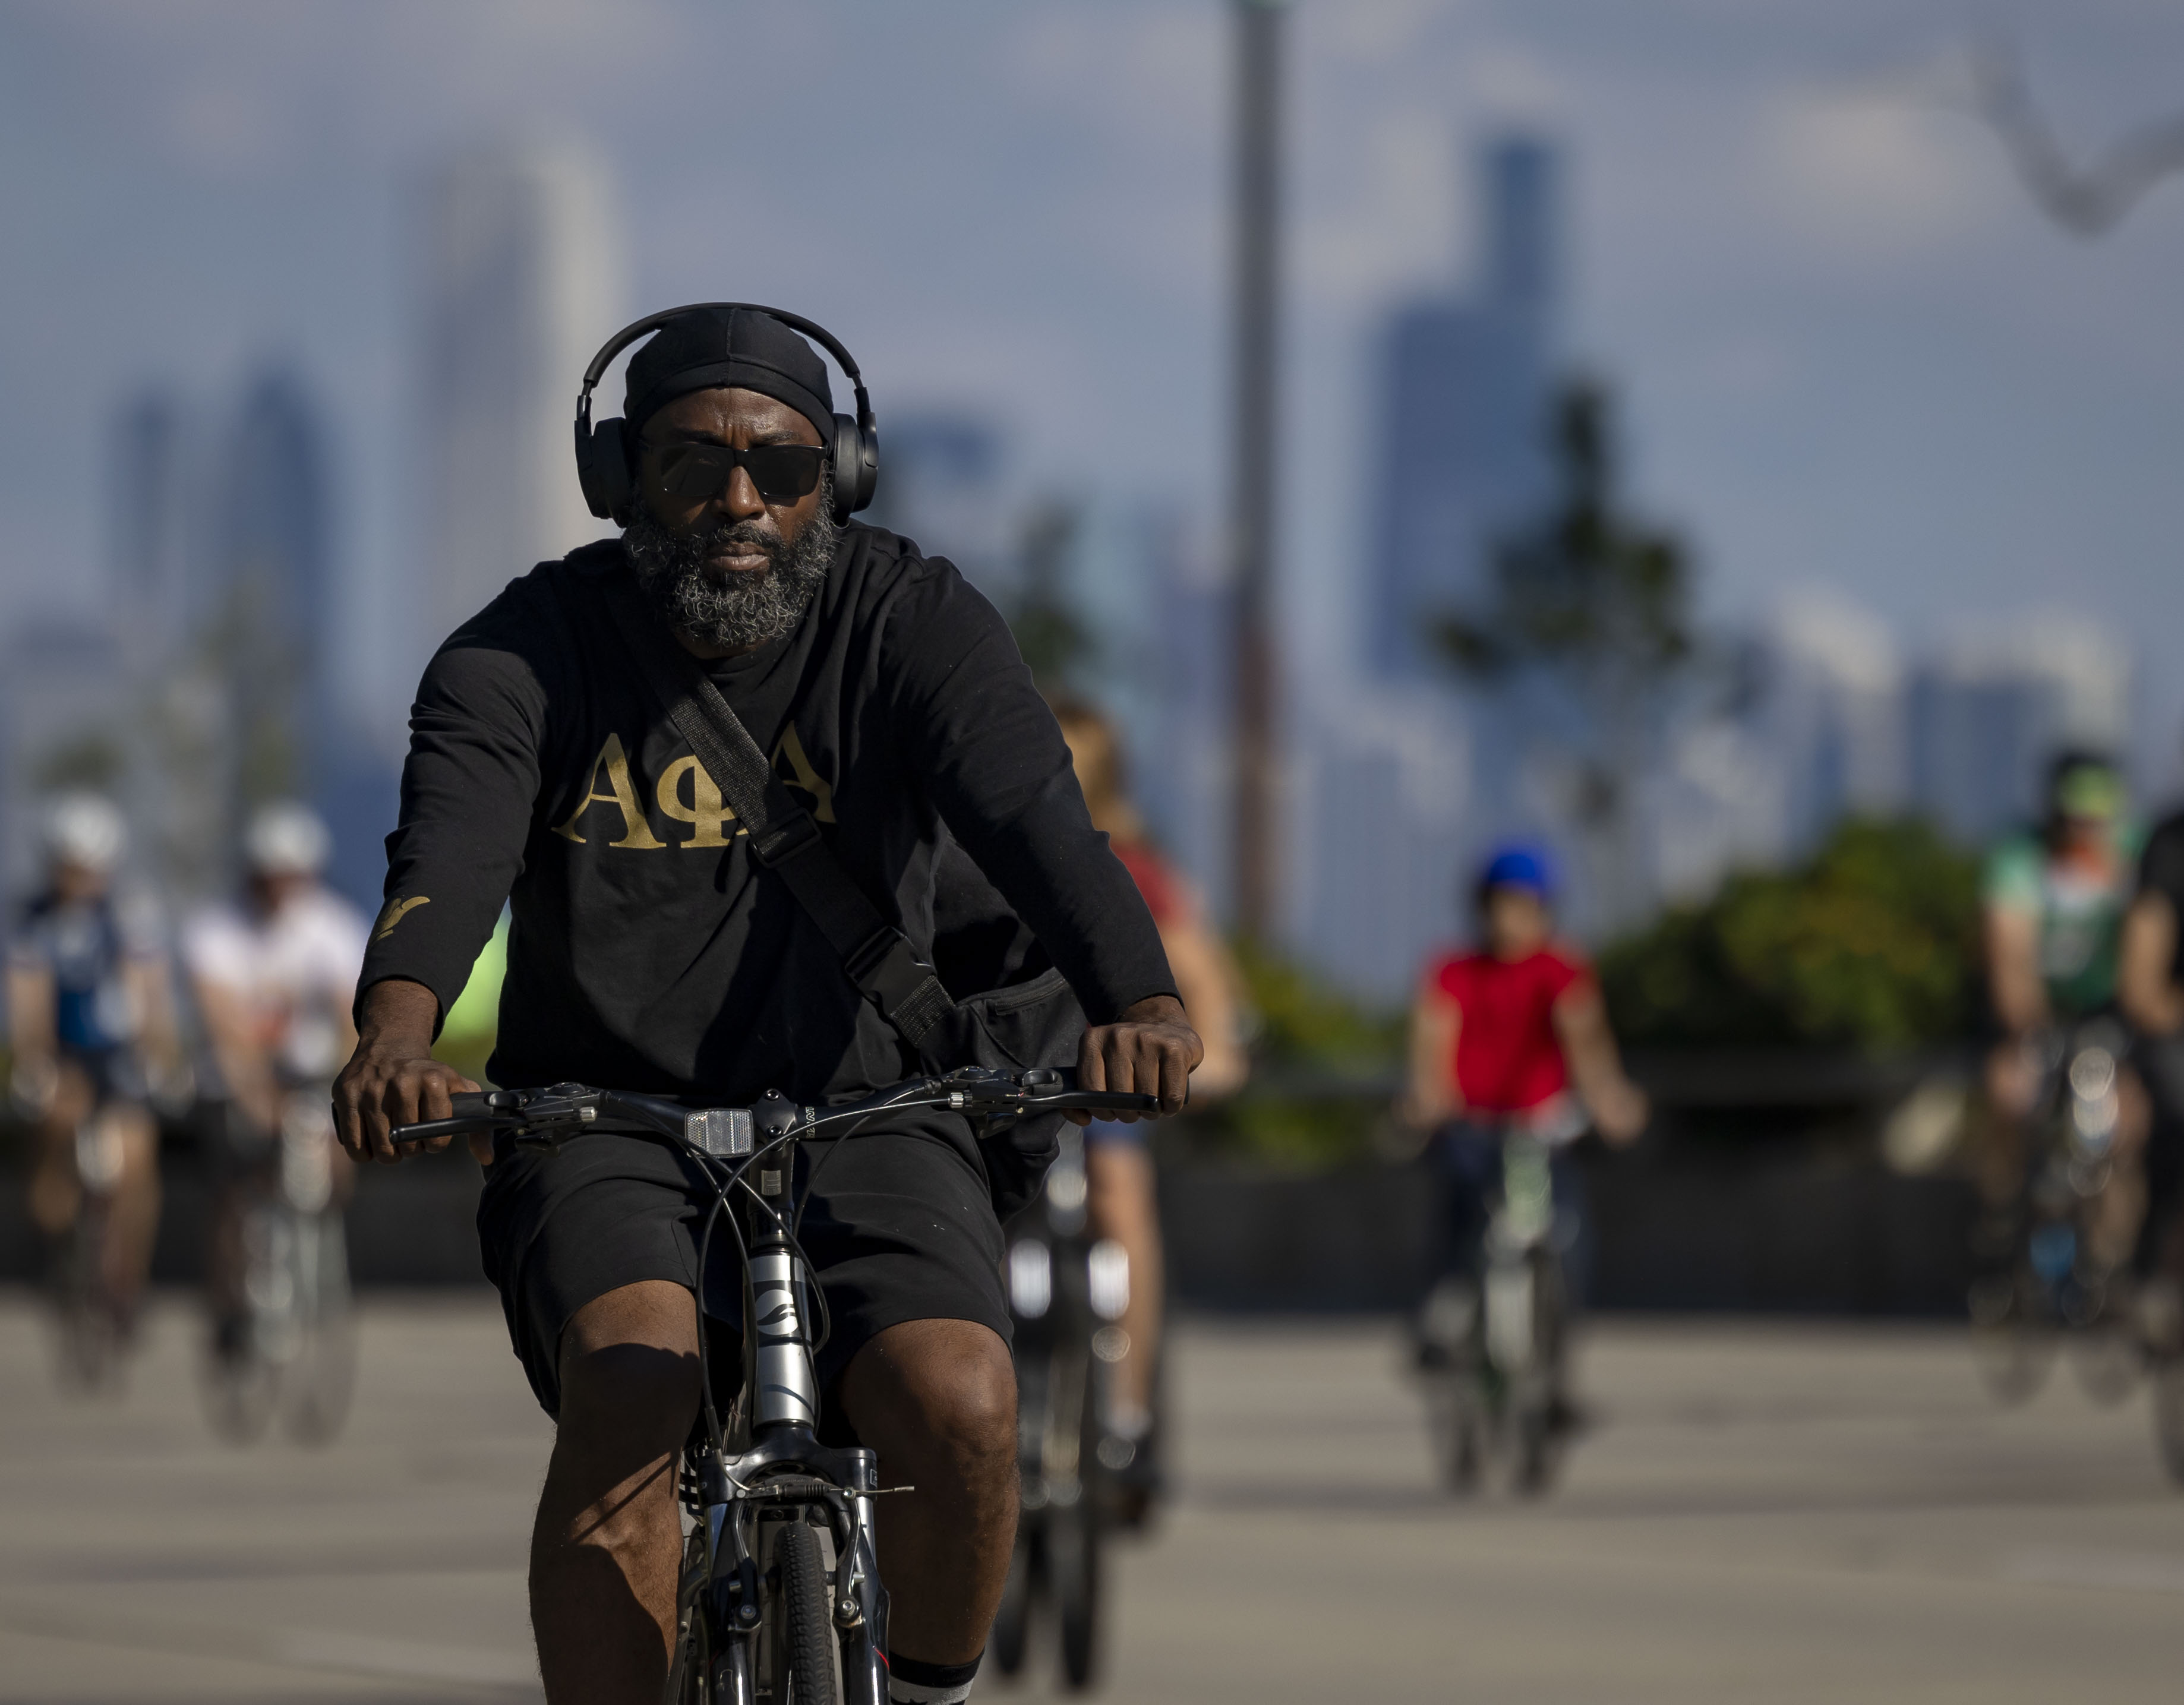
(1256, 304)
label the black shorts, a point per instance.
(898, 1227)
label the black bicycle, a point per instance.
(2042, 1283)
(780, 1599)
(293, 1346)
(1067, 1295)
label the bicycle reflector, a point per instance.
(725, 1132)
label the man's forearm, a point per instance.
(392, 1079)
(398, 1014)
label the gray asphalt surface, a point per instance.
(1773, 1513)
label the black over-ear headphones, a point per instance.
(604, 451)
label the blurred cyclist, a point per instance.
(92, 1019)
(2150, 990)
(1513, 1031)
(2054, 900)
(1118, 1168)
(274, 978)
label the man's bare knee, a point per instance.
(934, 1391)
(629, 1373)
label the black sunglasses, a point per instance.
(698, 472)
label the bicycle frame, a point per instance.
(767, 1464)
(781, 1472)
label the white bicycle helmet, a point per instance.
(85, 830)
(285, 839)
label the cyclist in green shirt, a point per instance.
(2053, 900)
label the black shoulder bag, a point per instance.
(1034, 1023)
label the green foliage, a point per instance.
(93, 760)
(1304, 1021)
(1292, 1133)
(1321, 1066)
(1873, 943)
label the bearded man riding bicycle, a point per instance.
(653, 948)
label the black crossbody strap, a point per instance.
(784, 836)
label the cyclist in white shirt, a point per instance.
(275, 976)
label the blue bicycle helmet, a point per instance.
(1518, 863)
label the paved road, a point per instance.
(1777, 1513)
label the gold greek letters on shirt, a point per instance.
(636, 832)
(707, 813)
(705, 810)
(802, 775)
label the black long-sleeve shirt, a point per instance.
(648, 949)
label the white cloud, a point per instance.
(1870, 177)
(1389, 215)
(1512, 85)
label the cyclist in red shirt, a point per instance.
(1515, 1029)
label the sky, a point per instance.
(1850, 353)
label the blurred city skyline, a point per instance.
(1856, 365)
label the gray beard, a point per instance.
(744, 610)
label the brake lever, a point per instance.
(540, 1120)
(998, 1096)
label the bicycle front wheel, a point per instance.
(2012, 1341)
(321, 1381)
(805, 1635)
(89, 1336)
(1541, 1405)
(1073, 1538)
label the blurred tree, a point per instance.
(1872, 943)
(1594, 605)
(93, 760)
(1048, 631)
(1300, 1019)
(1325, 1064)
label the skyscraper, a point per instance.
(1383, 789)
(521, 267)
(1464, 388)
(1401, 777)
(151, 522)
(1990, 712)
(267, 595)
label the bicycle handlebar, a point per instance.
(545, 1119)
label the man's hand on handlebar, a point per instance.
(1150, 1050)
(392, 1078)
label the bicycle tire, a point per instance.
(807, 1631)
(1456, 1423)
(1538, 1418)
(321, 1381)
(89, 1339)
(1075, 1543)
(2106, 1359)
(1077, 1535)
(2011, 1350)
